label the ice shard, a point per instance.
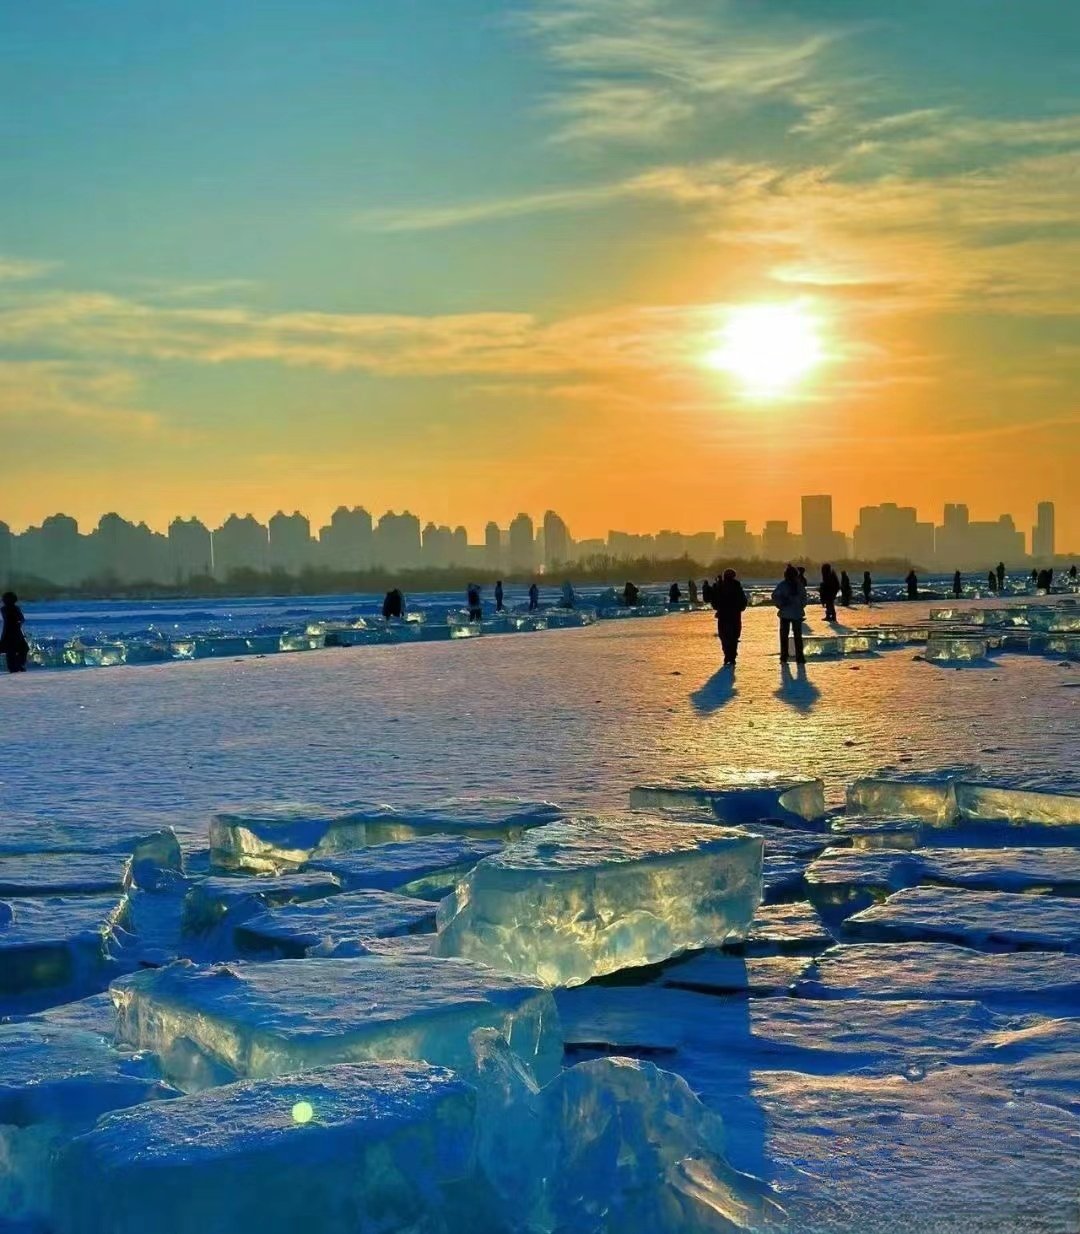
(737, 797)
(213, 903)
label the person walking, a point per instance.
(845, 589)
(790, 600)
(12, 640)
(499, 596)
(729, 601)
(957, 585)
(534, 597)
(867, 587)
(829, 589)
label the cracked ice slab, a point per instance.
(955, 802)
(48, 943)
(214, 902)
(293, 930)
(866, 831)
(55, 1081)
(429, 866)
(270, 838)
(985, 919)
(737, 797)
(44, 874)
(942, 970)
(291, 1015)
(596, 894)
(388, 1146)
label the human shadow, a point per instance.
(718, 690)
(796, 689)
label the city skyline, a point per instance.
(499, 255)
(59, 552)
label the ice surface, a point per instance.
(737, 797)
(55, 943)
(271, 838)
(794, 927)
(388, 1147)
(291, 931)
(55, 1081)
(1000, 920)
(718, 972)
(38, 874)
(599, 893)
(942, 970)
(217, 902)
(429, 866)
(94, 1014)
(20, 834)
(268, 1019)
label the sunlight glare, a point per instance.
(768, 348)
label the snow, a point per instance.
(56, 943)
(55, 1081)
(1025, 979)
(268, 1019)
(736, 797)
(270, 838)
(986, 919)
(429, 867)
(387, 1147)
(592, 895)
(294, 929)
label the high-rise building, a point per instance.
(291, 545)
(738, 541)
(437, 545)
(1042, 534)
(777, 542)
(345, 543)
(240, 544)
(459, 547)
(128, 552)
(7, 555)
(557, 540)
(892, 531)
(493, 554)
(190, 554)
(54, 551)
(522, 546)
(396, 541)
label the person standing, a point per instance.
(829, 590)
(729, 601)
(912, 581)
(569, 600)
(957, 585)
(534, 597)
(867, 587)
(674, 594)
(499, 596)
(691, 591)
(790, 600)
(991, 580)
(845, 589)
(476, 611)
(1001, 576)
(12, 640)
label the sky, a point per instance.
(472, 257)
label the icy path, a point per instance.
(579, 716)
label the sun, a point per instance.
(768, 348)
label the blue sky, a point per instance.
(466, 256)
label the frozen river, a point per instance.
(575, 716)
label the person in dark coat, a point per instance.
(991, 581)
(789, 596)
(957, 585)
(472, 595)
(12, 640)
(674, 595)
(845, 589)
(729, 601)
(912, 581)
(706, 591)
(499, 596)
(534, 597)
(630, 595)
(867, 587)
(691, 591)
(829, 589)
(1001, 576)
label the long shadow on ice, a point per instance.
(796, 689)
(718, 690)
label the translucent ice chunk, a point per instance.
(1000, 920)
(344, 1149)
(47, 944)
(289, 1015)
(737, 797)
(833, 646)
(867, 831)
(427, 867)
(217, 902)
(984, 803)
(932, 801)
(955, 648)
(291, 931)
(593, 895)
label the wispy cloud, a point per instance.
(22, 269)
(88, 395)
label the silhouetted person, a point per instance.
(729, 601)
(802, 575)
(499, 596)
(867, 587)
(957, 585)
(393, 605)
(991, 581)
(1072, 573)
(706, 590)
(845, 589)
(1034, 575)
(534, 597)
(1001, 576)
(476, 611)
(829, 589)
(630, 595)
(691, 591)
(790, 600)
(674, 594)
(912, 581)
(568, 597)
(12, 640)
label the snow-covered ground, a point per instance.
(871, 1076)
